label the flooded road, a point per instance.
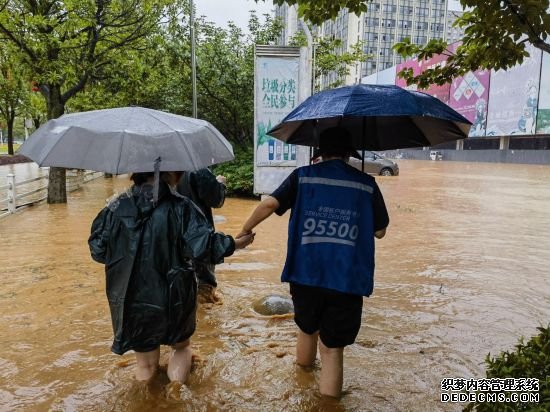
(462, 271)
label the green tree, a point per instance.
(65, 44)
(318, 11)
(225, 75)
(36, 109)
(159, 76)
(495, 35)
(14, 90)
(330, 57)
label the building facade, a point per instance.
(289, 16)
(391, 21)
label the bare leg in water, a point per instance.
(332, 370)
(332, 362)
(147, 364)
(180, 362)
(306, 348)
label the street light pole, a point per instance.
(193, 61)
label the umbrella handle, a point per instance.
(156, 183)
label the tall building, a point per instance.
(390, 21)
(385, 23)
(289, 16)
(346, 27)
(453, 34)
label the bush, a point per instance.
(531, 360)
(239, 173)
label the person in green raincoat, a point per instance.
(148, 248)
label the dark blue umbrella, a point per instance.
(379, 117)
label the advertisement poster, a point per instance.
(513, 98)
(543, 115)
(469, 95)
(276, 96)
(440, 92)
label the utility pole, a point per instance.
(193, 61)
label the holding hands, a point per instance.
(244, 239)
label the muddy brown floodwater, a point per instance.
(463, 271)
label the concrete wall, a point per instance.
(493, 156)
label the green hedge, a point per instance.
(239, 173)
(529, 360)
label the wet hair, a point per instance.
(335, 142)
(141, 178)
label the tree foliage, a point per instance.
(318, 11)
(65, 44)
(330, 57)
(14, 90)
(225, 74)
(529, 360)
(160, 76)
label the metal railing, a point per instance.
(36, 191)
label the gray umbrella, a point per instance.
(127, 139)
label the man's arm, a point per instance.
(381, 218)
(265, 209)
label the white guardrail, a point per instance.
(35, 190)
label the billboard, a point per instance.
(413, 64)
(513, 97)
(543, 114)
(440, 92)
(469, 95)
(282, 79)
(276, 96)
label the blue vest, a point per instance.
(331, 229)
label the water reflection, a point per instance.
(459, 274)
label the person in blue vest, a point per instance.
(336, 213)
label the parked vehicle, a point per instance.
(376, 164)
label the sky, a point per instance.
(220, 11)
(454, 5)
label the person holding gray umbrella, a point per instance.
(148, 237)
(336, 213)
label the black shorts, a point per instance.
(336, 315)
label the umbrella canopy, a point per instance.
(379, 117)
(127, 139)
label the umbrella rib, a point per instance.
(153, 115)
(226, 143)
(347, 104)
(120, 151)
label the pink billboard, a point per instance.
(441, 92)
(415, 65)
(469, 95)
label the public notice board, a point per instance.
(276, 96)
(278, 90)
